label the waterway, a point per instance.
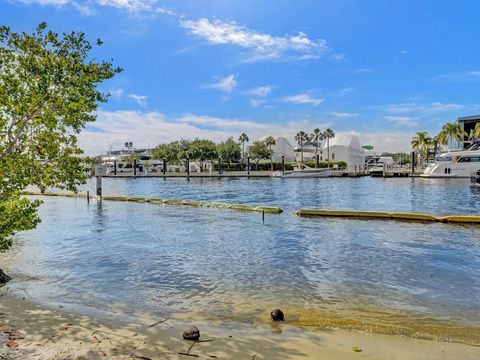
(404, 278)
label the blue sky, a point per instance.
(381, 69)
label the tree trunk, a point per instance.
(301, 152)
(328, 151)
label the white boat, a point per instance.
(379, 166)
(303, 171)
(455, 163)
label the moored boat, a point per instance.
(303, 171)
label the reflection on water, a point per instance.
(418, 279)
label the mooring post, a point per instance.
(134, 167)
(219, 166)
(88, 197)
(317, 165)
(99, 186)
(248, 166)
(263, 217)
(114, 167)
(283, 163)
(384, 171)
(164, 169)
(413, 162)
(188, 169)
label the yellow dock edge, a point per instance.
(178, 202)
(357, 214)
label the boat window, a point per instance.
(443, 158)
(469, 159)
(120, 166)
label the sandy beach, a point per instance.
(30, 330)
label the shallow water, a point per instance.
(418, 279)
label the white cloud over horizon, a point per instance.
(303, 99)
(263, 46)
(148, 129)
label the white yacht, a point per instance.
(303, 171)
(377, 167)
(455, 163)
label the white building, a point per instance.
(282, 147)
(345, 147)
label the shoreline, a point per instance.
(44, 332)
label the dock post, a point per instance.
(114, 167)
(317, 165)
(263, 217)
(283, 163)
(88, 197)
(134, 167)
(248, 166)
(99, 186)
(188, 169)
(413, 162)
(164, 168)
(384, 171)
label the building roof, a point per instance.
(347, 140)
(468, 118)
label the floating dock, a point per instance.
(358, 214)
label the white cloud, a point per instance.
(116, 92)
(344, 115)
(303, 99)
(46, 2)
(260, 91)
(85, 7)
(346, 91)
(435, 107)
(263, 46)
(140, 99)
(227, 84)
(221, 122)
(402, 121)
(148, 129)
(130, 5)
(440, 107)
(461, 76)
(256, 102)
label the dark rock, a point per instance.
(4, 278)
(277, 315)
(191, 332)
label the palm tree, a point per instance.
(475, 132)
(243, 139)
(317, 137)
(421, 141)
(301, 137)
(451, 131)
(435, 142)
(270, 141)
(327, 134)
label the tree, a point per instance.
(451, 131)
(328, 134)
(202, 150)
(243, 138)
(316, 137)
(421, 141)
(475, 132)
(300, 138)
(229, 151)
(168, 152)
(259, 151)
(48, 93)
(270, 141)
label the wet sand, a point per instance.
(41, 331)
